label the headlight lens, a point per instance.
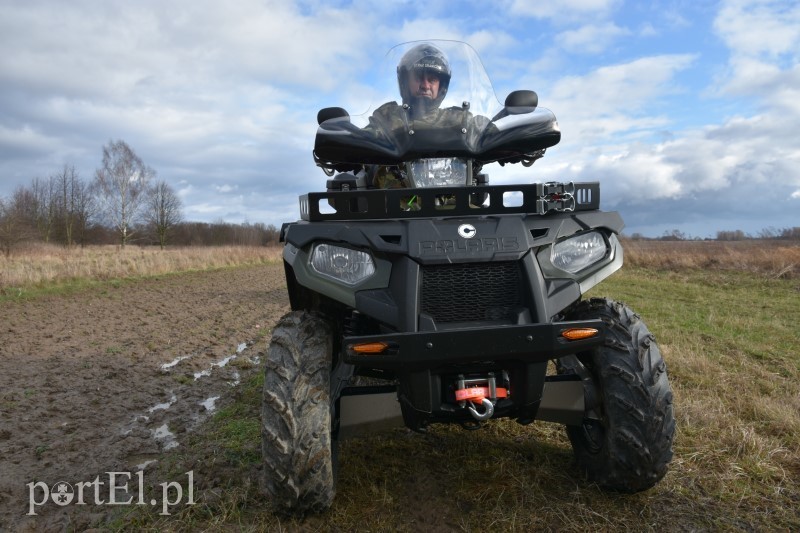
(576, 253)
(441, 172)
(342, 264)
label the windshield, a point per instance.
(434, 99)
(468, 81)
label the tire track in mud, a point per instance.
(110, 378)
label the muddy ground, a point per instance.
(108, 379)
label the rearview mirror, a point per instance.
(525, 99)
(329, 113)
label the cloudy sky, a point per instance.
(687, 111)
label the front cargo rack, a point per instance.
(536, 198)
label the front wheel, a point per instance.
(296, 441)
(625, 441)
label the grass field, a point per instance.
(767, 258)
(730, 339)
(726, 317)
(40, 268)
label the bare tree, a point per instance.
(15, 220)
(163, 211)
(122, 184)
(69, 188)
(790, 233)
(731, 235)
(43, 210)
(85, 210)
(77, 205)
(9, 227)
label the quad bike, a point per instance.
(444, 300)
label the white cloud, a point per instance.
(760, 27)
(764, 41)
(590, 39)
(184, 83)
(736, 169)
(617, 99)
(221, 97)
(82, 49)
(25, 140)
(647, 30)
(491, 44)
(744, 166)
(426, 28)
(673, 17)
(628, 86)
(565, 9)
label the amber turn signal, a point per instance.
(368, 348)
(576, 334)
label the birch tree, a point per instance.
(122, 185)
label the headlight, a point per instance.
(576, 253)
(443, 172)
(342, 264)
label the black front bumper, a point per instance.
(530, 343)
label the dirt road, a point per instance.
(107, 379)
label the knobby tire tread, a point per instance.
(296, 416)
(636, 402)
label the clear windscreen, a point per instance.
(434, 100)
(469, 81)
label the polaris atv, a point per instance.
(420, 294)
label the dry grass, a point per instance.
(725, 315)
(770, 258)
(730, 342)
(40, 264)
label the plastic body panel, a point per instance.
(424, 352)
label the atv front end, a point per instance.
(470, 299)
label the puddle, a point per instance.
(209, 403)
(166, 405)
(141, 462)
(224, 361)
(220, 364)
(166, 437)
(176, 407)
(142, 466)
(167, 366)
(136, 420)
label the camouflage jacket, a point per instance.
(393, 124)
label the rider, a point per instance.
(423, 77)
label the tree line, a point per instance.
(790, 234)
(123, 203)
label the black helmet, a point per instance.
(424, 57)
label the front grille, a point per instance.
(472, 291)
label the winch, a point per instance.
(481, 391)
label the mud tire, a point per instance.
(629, 448)
(296, 441)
